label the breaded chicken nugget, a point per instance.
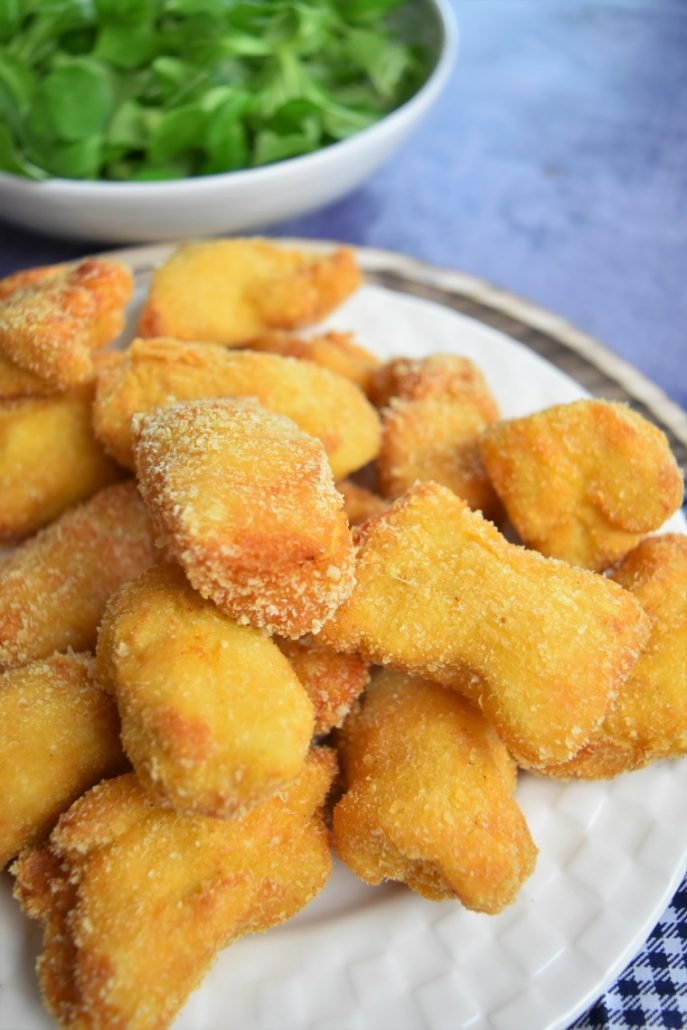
(18, 382)
(332, 681)
(52, 326)
(435, 438)
(336, 351)
(59, 734)
(54, 587)
(648, 719)
(214, 719)
(246, 503)
(229, 291)
(540, 646)
(50, 459)
(137, 900)
(583, 481)
(429, 797)
(359, 502)
(156, 372)
(439, 375)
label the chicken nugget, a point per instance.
(157, 372)
(439, 375)
(336, 351)
(359, 502)
(50, 459)
(136, 900)
(214, 719)
(332, 681)
(648, 718)
(429, 797)
(540, 646)
(16, 382)
(435, 438)
(583, 481)
(54, 587)
(229, 291)
(246, 503)
(59, 734)
(51, 326)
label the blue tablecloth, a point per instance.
(555, 165)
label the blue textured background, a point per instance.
(555, 165)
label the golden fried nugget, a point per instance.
(136, 900)
(336, 351)
(429, 797)
(540, 646)
(439, 375)
(648, 718)
(360, 503)
(229, 291)
(50, 459)
(583, 481)
(332, 681)
(246, 503)
(214, 719)
(54, 587)
(59, 734)
(435, 438)
(52, 326)
(157, 372)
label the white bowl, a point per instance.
(121, 212)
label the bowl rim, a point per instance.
(428, 91)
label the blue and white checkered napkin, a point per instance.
(652, 991)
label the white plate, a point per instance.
(611, 853)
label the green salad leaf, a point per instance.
(158, 89)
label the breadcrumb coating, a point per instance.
(136, 901)
(359, 502)
(438, 375)
(50, 459)
(333, 350)
(332, 681)
(429, 797)
(16, 382)
(159, 371)
(583, 481)
(540, 646)
(59, 735)
(246, 503)
(214, 719)
(54, 587)
(31, 277)
(647, 720)
(51, 326)
(230, 291)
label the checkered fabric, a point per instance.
(652, 991)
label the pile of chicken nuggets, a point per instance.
(264, 604)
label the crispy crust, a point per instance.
(648, 719)
(429, 797)
(60, 735)
(51, 326)
(583, 481)
(272, 548)
(214, 719)
(541, 647)
(439, 375)
(159, 371)
(54, 587)
(230, 291)
(333, 350)
(332, 681)
(136, 901)
(360, 503)
(49, 460)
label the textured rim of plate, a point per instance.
(583, 358)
